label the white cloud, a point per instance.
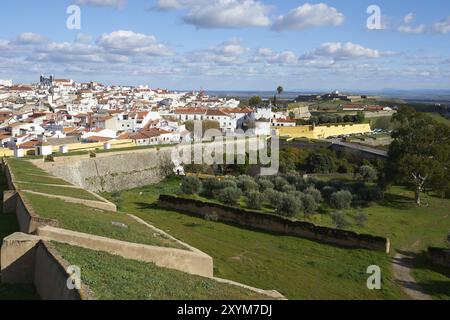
(132, 43)
(308, 16)
(209, 14)
(344, 51)
(268, 56)
(410, 29)
(83, 38)
(177, 4)
(409, 18)
(30, 38)
(442, 26)
(231, 47)
(102, 3)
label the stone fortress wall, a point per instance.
(111, 172)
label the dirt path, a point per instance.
(402, 272)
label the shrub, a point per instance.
(191, 185)
(272, 197)
(288, 206)
(265, 184)
(293, 177)
(367, 173)
(209, 185)
(327, 192)
(319, 163)
(342, 169)
(309, 204)
(254, 199)
(228, 195)
(288, 188)
(246, 183)
(228, 183)
(340, 220)
(49, 158)
(315, 194)
(279, 183)
(371, 194)
(341, 199)
(361, 218)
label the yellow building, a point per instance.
(323, 131)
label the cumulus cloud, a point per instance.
(268, 56)
(131, 43)
(407, 27)
(344, 51)
(409, 18)
(308, 16)
(442, 26)
(102, 3)
(220, 13)
(411, 29)
(231, 47)
(29, 38)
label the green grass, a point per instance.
(115, 278)
(30, 177)
(25, 171)
(439, 118)
(298, 268)
(434, 279)
(61, 191)
(98, 222)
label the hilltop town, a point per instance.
(55, 114)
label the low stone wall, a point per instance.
(26, 259)
(29, 221)
(440, 256)
(196, 263)
(275, 224)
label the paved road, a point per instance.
(359, 147)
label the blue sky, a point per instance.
(230, 44)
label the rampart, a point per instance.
(26, 259)
(275, 224)
(111, 172)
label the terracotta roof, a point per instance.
(190, 111)
(29, 144)
(217, 112)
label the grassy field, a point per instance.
(9, 225)
(115, 278)
(25, 171)
(60, 191)
(29, 177)
(298, 268)
(98, 222)
(439, 118)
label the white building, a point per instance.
(6, 83)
